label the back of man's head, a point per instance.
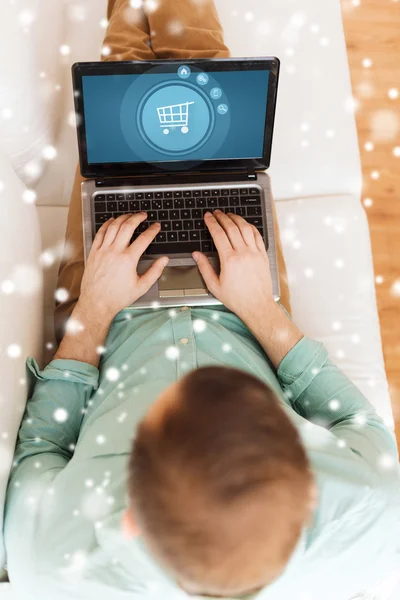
(220, 483)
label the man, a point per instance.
(256, 469)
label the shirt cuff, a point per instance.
(66, 370)
(300, 366)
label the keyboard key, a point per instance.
(117, 214)
(122, 206)
(130, 196)
(172, 236)
(223, 201)
(158, 195)
(206, 246)
(206, 193)
(120, 196)
(174, 215)
(253, 210)
(176, 225)
(145, 205)
(142, 227)
(234, 192)
(224, 192)
(254, 191)
(173, 248)
(196, 193)
(134, 205)
(167, 194)
(163, 215)
(234, 201)
(240, 210)
(139, 196)
(167, 204)
(102, 218)
(177, 194)
(213, 203)
(205, 235)
(185, 214)
(197, 213)
(199, 224)
(190, 203)
(187, 194)
(256, 221)
(149, 195)
(156, 205)
(100, 198)
(187, 225)
(111, 197)
(195, 236)
(112, 206)
(244, 191)
(99, 207)
(215, 192)
(152, 215)
(161, 237)
(183, 236)
(178, 203)
(165, 225)
(248, 200)
(201, 202)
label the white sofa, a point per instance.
(316, 180)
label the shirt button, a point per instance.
(184, 341)
(185, 308)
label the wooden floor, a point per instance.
(372, 29)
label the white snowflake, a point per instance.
(395, 289)
(385, 125)
(49, 346)
(49, 152)
(77, 12)
(387, 461)
(65, 50)
(136, 3)
(112, 374)
(7, 114)
(309, 273)
(14, 351)
(330, 133)
(339, 263)
(100, 439)
(172, 312)
(368, 202)
(150, 5)
(249, 16)
(226, 347)
(103, 23)
(100, 349)
(37, 464)
(315, 371)
(334, 404)
(89, 483)
(369, 146)
(340, 354)
(375, 175)
(355, 338)
(396, 151)
(32, 169)
(324, 41)
(215, 316)
(7, 287)
(29, 196)
(121, 395)
(341, 443)
(26, 18)
(172, 352)
(76, 512)
(367, 63)
(110, 500)
(106, 51)
(143, 370)
(175, 27)
(393, 93)
(199, 325)
(74, 326)
(360, 419)
(60, 415)
(61, 295)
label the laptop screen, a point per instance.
(189, 114)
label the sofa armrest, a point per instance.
(21, 312)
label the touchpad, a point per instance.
(177, 282)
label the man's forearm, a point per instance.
(86, 331)
(274, 330)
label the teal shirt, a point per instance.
(67, 491)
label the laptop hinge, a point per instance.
(177, 178)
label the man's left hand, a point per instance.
(110, 282)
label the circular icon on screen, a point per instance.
(222, 109)
(216, 93)
(184, 72)
(202, 78)
(175, 118)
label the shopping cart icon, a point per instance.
(175, 115)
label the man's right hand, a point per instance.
(244, 284)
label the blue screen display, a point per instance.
(185, 115)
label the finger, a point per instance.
(150, 277)
(245, 229)
(207, 272)
(219, 236)
(259, 241)
(113, 229)
(99, 237)
(231, 229)
(127, 229)
(144, 240)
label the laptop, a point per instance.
(177, 138)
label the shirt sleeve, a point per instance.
(51, 424)
(320, 392)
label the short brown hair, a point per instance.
(221, 485)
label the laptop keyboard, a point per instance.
(180, 213)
